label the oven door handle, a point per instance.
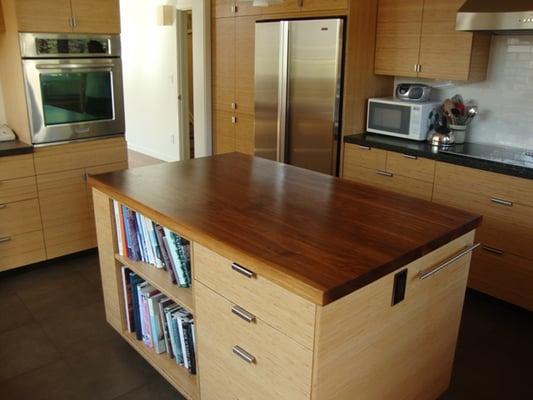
(74, 66)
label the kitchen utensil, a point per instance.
(459, 132)
(448, 106)
(442, 140)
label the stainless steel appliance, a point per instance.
(393, 117)
(495, 15)
(73, 86)
(298, 82)
(414, 92)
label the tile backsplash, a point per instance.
(505, 99)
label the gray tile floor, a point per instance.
(55, 343)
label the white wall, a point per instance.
(505, 99)
(149, 57)
(2, 109)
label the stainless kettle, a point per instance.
(442, 140)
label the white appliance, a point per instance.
(393, 117)
(6, 134)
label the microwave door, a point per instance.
(389, 119)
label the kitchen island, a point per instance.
(304, 286)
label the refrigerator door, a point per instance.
(269, 54)
(314, 91)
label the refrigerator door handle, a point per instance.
(283, 91)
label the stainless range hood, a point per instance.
(496, 16)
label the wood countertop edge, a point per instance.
(295, 283)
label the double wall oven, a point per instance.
(73, 86)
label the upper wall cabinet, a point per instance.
(2, 25)
(233, 8)
(290, 6)
(80, 16)
(417, 38)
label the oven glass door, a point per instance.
(74, 99)
(389, 118)
(71, 97)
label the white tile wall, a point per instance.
(505, 99)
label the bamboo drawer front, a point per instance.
(12, 167)
(18, 189)
(23, 249)
(513, 274)
(285, 311)
(280, 368)
(20, 217)
(79, 155)
(361, 156)
(413, 167)
(506, 237)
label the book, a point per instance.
(159, 233)
(171, 269)
(158, 337)
(135, 281)
(133, 238)
(183, 253)
(155, 245)
(128, 304)
(172, 246)
(148, 336)
(146, 238)
(164, 303)
(181, 317)
(117, 211)
(172, 331)
(178, 349)
(189, 342)
(140, 236)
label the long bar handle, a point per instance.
(74, 66)
(240, 352)
(410, 157)
(364, 147)
(3, 206)
(428, 273)
(243, 314)
(5, 239)
(493, 250)
(243, 271)
(384, 173)
(501, 202)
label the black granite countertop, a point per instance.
(14, 147)
(504, 160)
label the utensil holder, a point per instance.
(459, 131)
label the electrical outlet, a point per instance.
(172, 139)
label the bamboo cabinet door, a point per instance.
(224, 64)
(398, 37)
(444, 52)
(244, 134)
(224, 132)
(245, 64)
(67, 225)
(44, 15)
(323, 5)
(96, 16)
(222, 8)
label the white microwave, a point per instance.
(393, 117)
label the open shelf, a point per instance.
(177, 375)
(160, 280)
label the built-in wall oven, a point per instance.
(73, 86)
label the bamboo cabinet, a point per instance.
(262, 333)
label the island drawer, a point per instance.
(504, 276)
(489, 186)
(247, 359)
(20, 217)
(20, 166)
(387, 180)
(410, 166)
(18, 189)
(22, 249)
(363, 156)
(285, 311)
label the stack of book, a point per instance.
(158, 321)
(141, 239)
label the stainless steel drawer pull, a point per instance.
(5, 239)
(364, 147)
(410, 157)
(384, 173)
(244, 355)
(428, 273)
(493, 250)
(243, 271)
(3, 206)
(501, 201)
(242, 313)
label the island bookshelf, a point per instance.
(112, 263)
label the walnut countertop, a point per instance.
(318, 236)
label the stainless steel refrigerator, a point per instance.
(298, 81)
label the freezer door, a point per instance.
(268, 48)
(314, 90)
